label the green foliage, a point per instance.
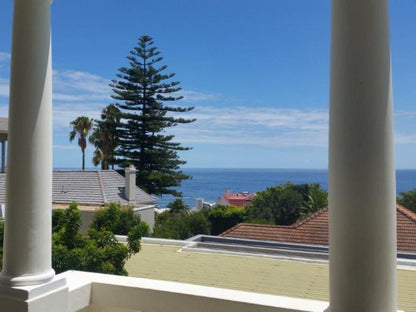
(223, 218)
(117, 219)
(143, 90)
(104, 137)
(135, 234)
(98, 251)
(317, 199)
(408, 200)
(81, 127)
(178, 206)
(285, 204)
(180, 226)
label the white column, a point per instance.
(361, 160)
(27, 246)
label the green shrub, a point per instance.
(99, 251)
(180, 226)
(116, 219)
(287, 203)
(223, 218)
(408, 200)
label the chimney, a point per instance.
(130, 181)
(199, 203)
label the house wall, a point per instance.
(147, 214)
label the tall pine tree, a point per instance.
(143, 91)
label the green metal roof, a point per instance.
(249, 273)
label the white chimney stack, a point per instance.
(199, 203)
(130, 181)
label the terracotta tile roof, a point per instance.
(238, 199)
(314, 230)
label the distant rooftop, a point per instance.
(249, 273)
(236, 199)
(314, 230)
(4, 128)
(92, 188)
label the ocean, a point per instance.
(209, 184)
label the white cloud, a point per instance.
(405, 114)
(79, 93)
(308, 119)
(196, 96)
(255, 126)
(65, 147)
(4, 59)
(4, 109)
(4, 56)
(79, 86)
(4, 87)
(405, 138)
(64, 113)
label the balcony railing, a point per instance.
(101, 293)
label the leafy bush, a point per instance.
(178, 206)
(223, 218)
(287, 203)
(408, 199)
(99, 251)
(317, 199)
(180, 223)
(116, 219)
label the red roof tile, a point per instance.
(314, 230)
(238, 199)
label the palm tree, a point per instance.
(104, 137)
(317, 199)
(81, 128)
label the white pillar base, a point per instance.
(24, 280)
(328, 310)
(47, 297)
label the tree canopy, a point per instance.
(143, 92)
(223, 218)
(408, 200)
(179, 222)
(99, 251)
(118, 220)
(285, 204)
(178, 206)
(104, 137)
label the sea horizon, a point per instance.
(225, 168)
(210, 183)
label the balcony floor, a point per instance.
(249, 273)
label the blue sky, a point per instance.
(256, 71)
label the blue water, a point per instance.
(211, 183)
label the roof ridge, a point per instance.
(406, 212)
(259, 225)
(101, 186)
(310, 217)
(231, 229)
